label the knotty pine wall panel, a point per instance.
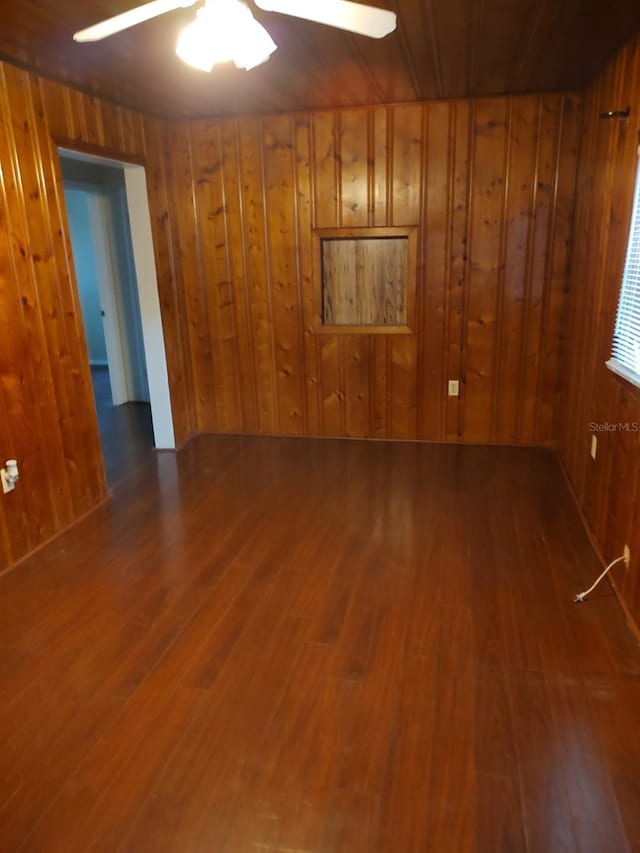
(608, 488)
(48, 419)
(489, 184)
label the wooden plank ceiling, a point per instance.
(441, 49)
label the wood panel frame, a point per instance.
(410, 233)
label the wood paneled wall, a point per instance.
(608, 488)
(490, 185)
(47, 413)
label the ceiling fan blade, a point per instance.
(343, 14)
(130, 19)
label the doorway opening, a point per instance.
(110, 228)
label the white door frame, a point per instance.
(147, 281)
(144, 261)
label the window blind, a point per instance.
(625, 352)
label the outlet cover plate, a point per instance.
(7, 484)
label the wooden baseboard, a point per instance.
(633, 625)
(55, 536)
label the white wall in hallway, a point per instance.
(85, 264)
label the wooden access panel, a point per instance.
(365, 280)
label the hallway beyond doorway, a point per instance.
(126, 432)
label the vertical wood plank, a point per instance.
(304, 224)
(250, 152)
(380, 216)
(556, 317)
(279, 168)
(457, 286)
(539, 263)
(436, 307)
(523, 133)
(235, 235)
(484, 249)
(406, 209)
(327, 215)
(188, 272)
(211, 213)
(356, 182)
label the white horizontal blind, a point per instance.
(625, 354)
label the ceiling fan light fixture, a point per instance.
(254, 46)
(224, 31)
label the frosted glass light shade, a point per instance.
(224, 31)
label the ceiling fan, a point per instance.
(226, 30)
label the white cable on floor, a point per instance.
(580, 597)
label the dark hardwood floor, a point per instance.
(296, 645)
(126, 432)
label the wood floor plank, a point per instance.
(548, 819)
(451, 808)
(200, 778)
(76, 822)
(46, 767)
(273, 781)
(616, 714)
(499, 818)
(319, 646)
(494, 743)
(408, 778)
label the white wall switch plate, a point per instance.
(454, 387)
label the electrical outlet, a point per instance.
(627, 555)
(454, 387)
(594, 446)
(9, 475)
(8, 485)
